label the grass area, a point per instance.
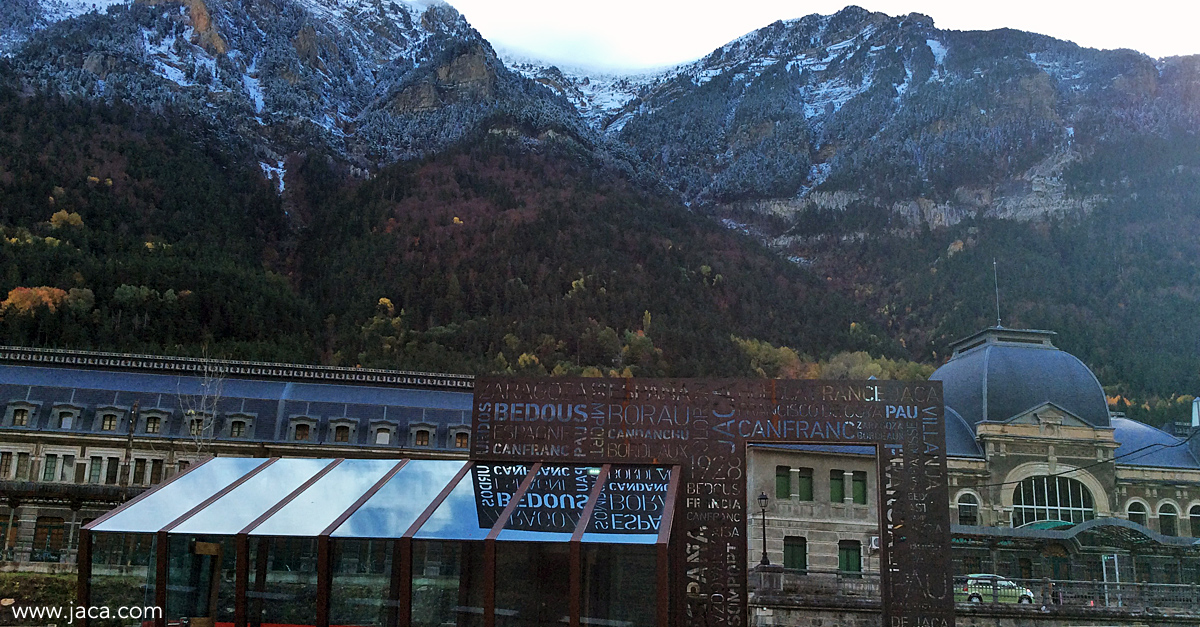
(35, 589)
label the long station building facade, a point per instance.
(84, 432)
(1044, 480)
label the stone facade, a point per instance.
(822, 522)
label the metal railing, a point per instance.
(818, 583)
(46, 555)
(774, 585)
(1074, 593)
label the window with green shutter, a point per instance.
(837, 486)
(49, 467)
(783, 482)
(850, 557)
(859, 486)
(94, 467)
(795, 553)
(804, 486)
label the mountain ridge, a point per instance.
(880, 158)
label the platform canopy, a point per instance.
(421, 499)
(392, 543)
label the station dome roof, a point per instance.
(998, 374)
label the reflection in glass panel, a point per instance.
(447, 584)
(321, 503)
(245, 503)
(631, 505)
(619, 585)
(160, 508)
(362, 575)
(550, 508)
(122, 571)
(495, 486)
(200, 577)
(533, 586)
(391, 510)
(283, 581)
(462, 516)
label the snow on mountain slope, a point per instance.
(55, 10)
(598, 96)
(764, 113)
(809, 45)
(374, 80)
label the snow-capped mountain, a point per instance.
(861, 108)
(376, 80)
(824, 112)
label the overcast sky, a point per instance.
(631, 34)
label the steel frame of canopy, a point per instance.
(400, 591)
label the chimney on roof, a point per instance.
(1193, 439)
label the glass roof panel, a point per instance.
(321, 503)
(394, 508)
(631, 506)
(550, 509)
(245, 503)
(471, 509)
(174, 499)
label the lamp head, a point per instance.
(762, 501)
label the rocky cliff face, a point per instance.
(374, 81)
(933, 125)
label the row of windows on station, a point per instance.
(204, 424)
(797, 484)
(795, 554)
(1046, 498)
(96, 469)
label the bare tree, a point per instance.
(200, 408)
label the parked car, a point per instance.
(979, 588)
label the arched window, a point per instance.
(1137, 513)
(968, 509)
(301, 432)
(1168, 520)
(462, 440)
(421, 438)
(383, 436)
(237, 428)
(341, 434)
(1051, 498)
(1194, 515)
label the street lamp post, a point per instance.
(762, 505)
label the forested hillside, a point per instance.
(1119, 284)
(513, 252)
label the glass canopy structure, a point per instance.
(392, 543)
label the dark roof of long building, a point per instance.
(268, 398)
(159, 364)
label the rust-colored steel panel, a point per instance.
(704, 426)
